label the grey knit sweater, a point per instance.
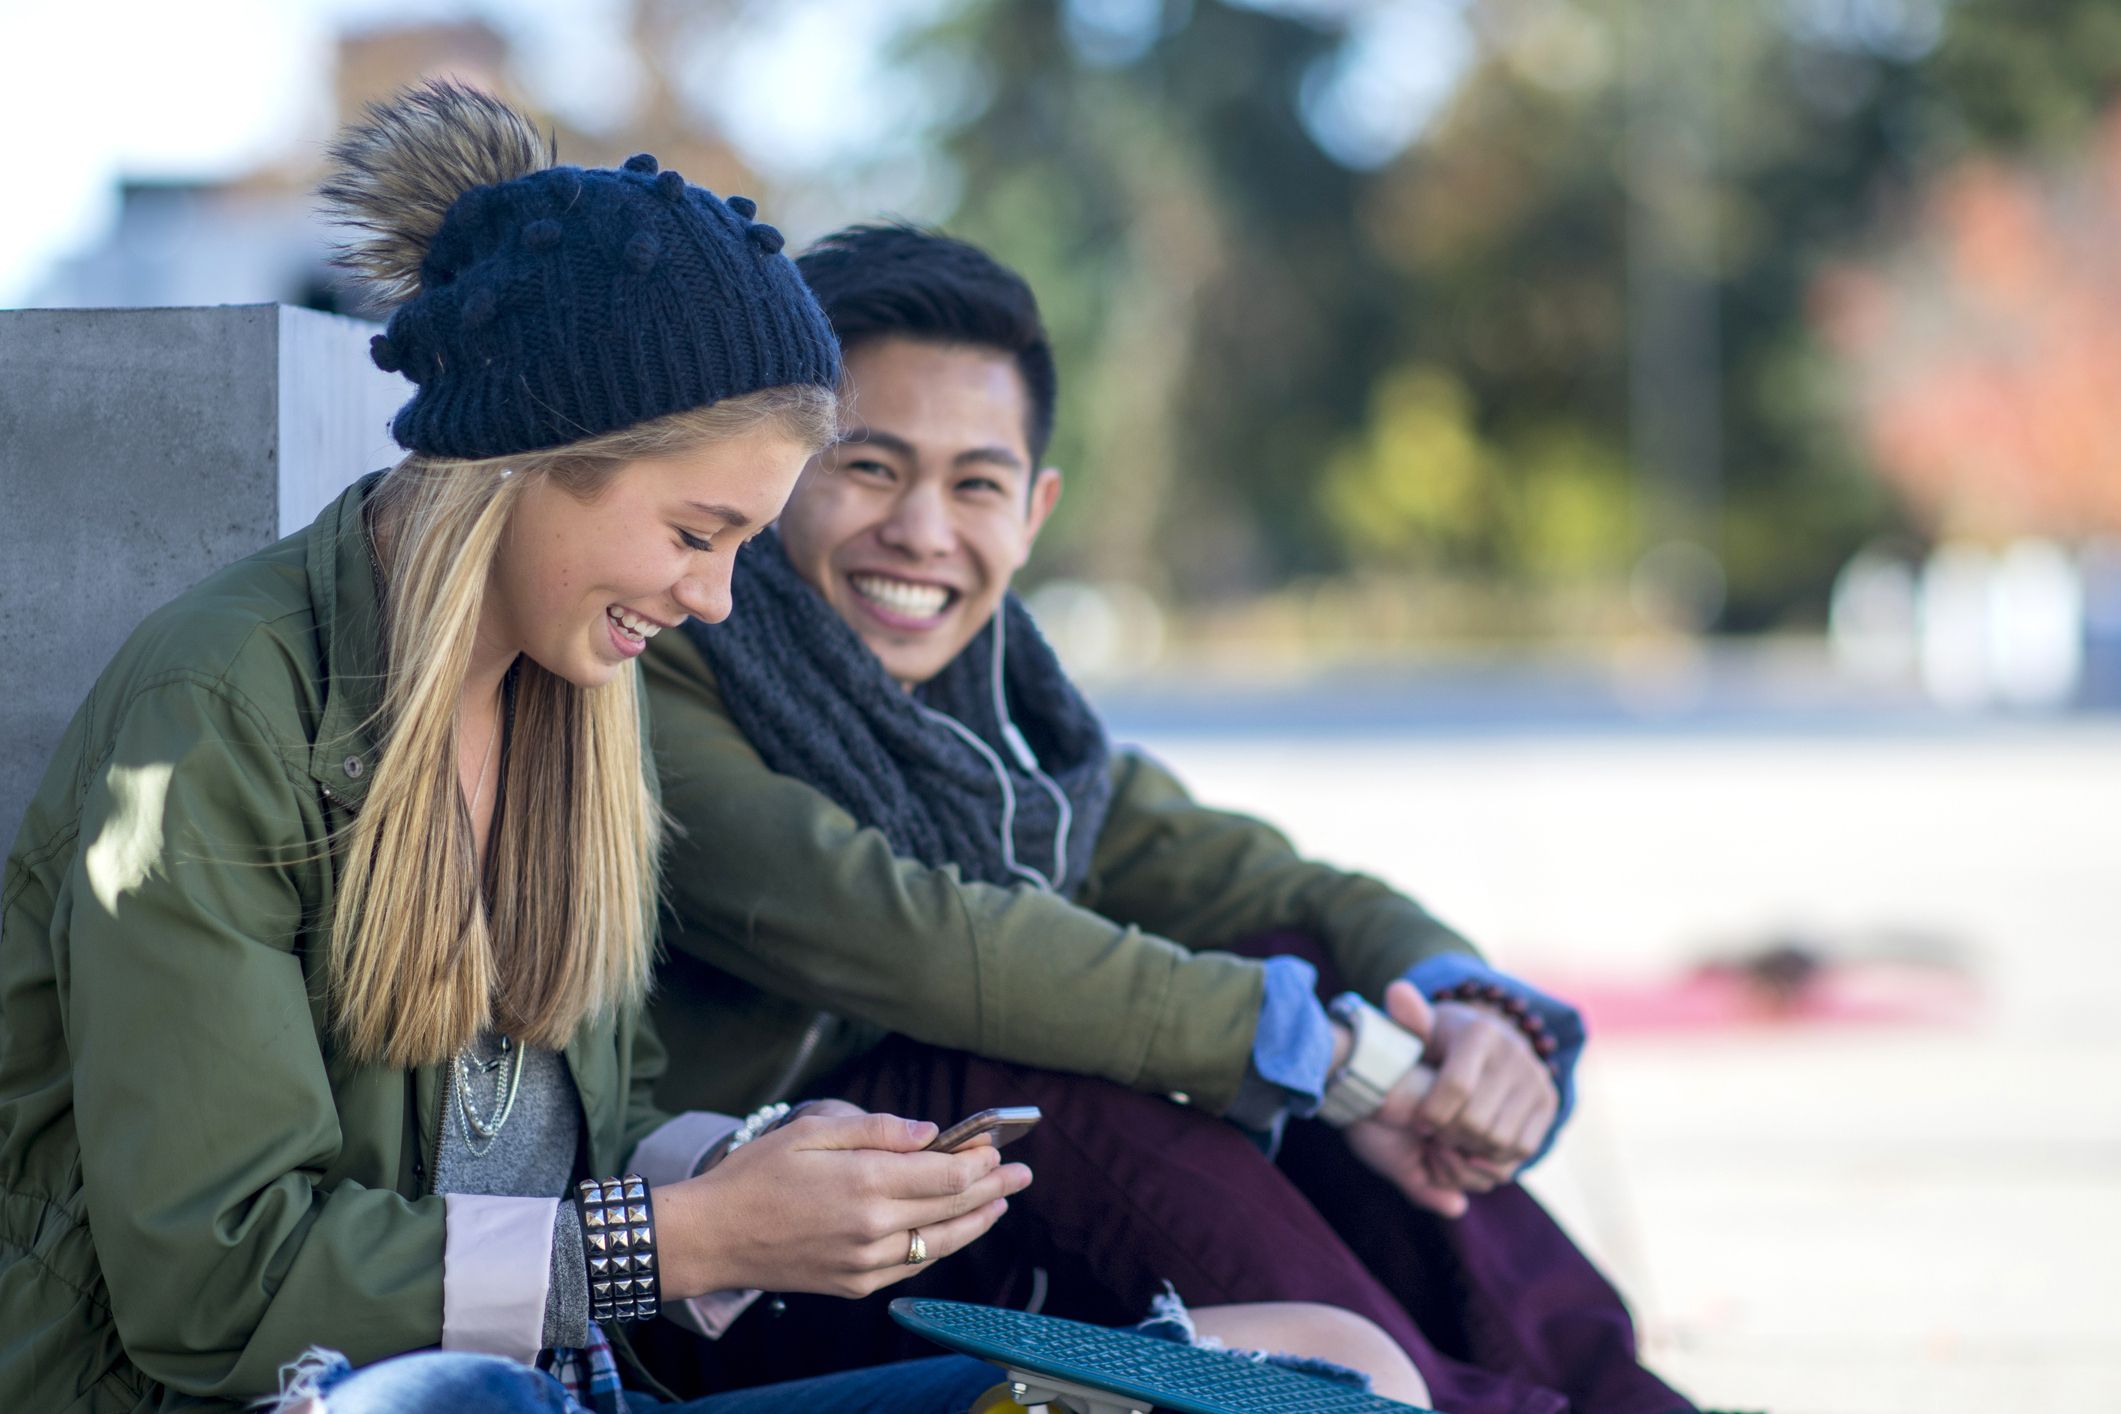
(532, 1157)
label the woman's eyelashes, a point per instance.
(695, 542)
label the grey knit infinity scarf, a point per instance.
(817, 705)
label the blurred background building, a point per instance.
(1644, 475)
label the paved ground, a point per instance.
(1920, 1218)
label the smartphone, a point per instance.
(1000, 1126)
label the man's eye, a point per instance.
(867, 467)
(695, 542)
(979, 483)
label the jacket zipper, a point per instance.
(434, 1150)
(790, 1077)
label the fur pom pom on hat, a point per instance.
(539, 304)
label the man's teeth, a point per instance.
(633, 624)
(915, 601)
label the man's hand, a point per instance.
(1494, 1098)
(1466, 1125)
(1431, 1176)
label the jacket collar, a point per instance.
(347, 602)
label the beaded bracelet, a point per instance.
(618, 1233)
(763, 1120)
(1509, 1004)
(757, 1125)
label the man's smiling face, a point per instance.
(913, 523)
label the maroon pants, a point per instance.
(1499, 1310)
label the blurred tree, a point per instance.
(1986, 350)
(1279, 365)
(1193, 250)
(1978, 333)
(1420, 481)
(2027, 74)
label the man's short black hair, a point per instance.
(876, 281)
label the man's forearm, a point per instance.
(1210, 878)
(777, 886)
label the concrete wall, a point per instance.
(141, 450)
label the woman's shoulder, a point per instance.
(244, 627)
(247, 635)
(234, 656)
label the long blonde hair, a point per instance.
(418, 964)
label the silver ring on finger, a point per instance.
(916, 1248)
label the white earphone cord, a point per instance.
(1026, 758)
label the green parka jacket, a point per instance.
(798, 938)
(194, 1187)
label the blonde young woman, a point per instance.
(323, 943)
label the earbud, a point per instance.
(1025, 757)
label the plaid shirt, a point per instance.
(589, 1375)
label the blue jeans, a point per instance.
(448, 1382)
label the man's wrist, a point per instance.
(1488, 1009)
(1292, 1048)
(1520, 1020)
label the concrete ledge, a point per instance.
(141, 450)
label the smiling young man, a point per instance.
(909, 859)
(914, 528)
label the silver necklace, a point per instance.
(469, 1120)
(468, 1117)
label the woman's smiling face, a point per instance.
(582, 585)
(913, 523)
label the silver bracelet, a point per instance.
(618, 1237)
(758, 1124)
(759, 1121)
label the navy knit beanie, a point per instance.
(543, 304)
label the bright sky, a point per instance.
(102, 89)
(82, 86)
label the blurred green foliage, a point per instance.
(1275, 366)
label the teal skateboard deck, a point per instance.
(1093, 1370)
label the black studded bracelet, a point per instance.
(618, 1234)
(1510, 1005)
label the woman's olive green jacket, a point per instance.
(194, 1186)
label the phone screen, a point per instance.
(999, 1125)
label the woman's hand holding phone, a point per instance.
(827, 1203)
